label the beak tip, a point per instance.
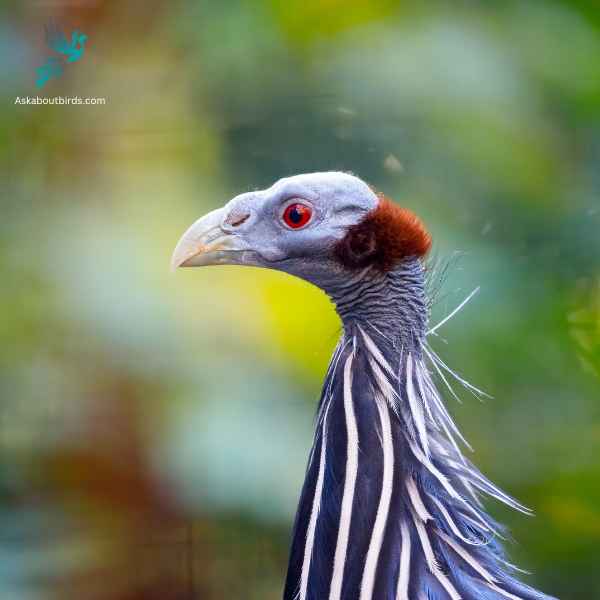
(175, 263)
(178, 261)
(184, 252)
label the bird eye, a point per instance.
(297, 215)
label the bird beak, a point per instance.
(206, 243)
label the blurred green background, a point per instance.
(154, 426)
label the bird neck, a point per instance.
(390, 507)
(391, 304)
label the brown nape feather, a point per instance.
(384, 237)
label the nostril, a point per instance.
(235, 220)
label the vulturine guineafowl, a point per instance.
(390, 508)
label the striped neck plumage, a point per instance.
(390, 507)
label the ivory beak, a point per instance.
(207, 243)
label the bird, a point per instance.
(69, 52)
(390, 508)
(57, 41)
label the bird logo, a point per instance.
(68, 52)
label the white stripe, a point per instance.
(389, 393)
(442, 376)
(445, 416)
(441, 449)
(467, 557)
(334, 363)
(383, 382)
(453, 526)
(489, 488)
(401, 410)
(426, 545)
(446, 484)
(416, 499)
(316, 505)
(419, 368)
(341, 548)
(480, 524)
(432, 563)
(404, 573)
(415, 406)
(368, 580)
(372, 346)
(511, 566)
(434, 471)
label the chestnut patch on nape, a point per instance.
(387, 234)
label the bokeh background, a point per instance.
(154, 426)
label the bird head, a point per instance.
(317, 226)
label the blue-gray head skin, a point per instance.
(390, 507)
(251, 229)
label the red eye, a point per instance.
(297, 215)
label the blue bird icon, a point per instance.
(57, 41)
